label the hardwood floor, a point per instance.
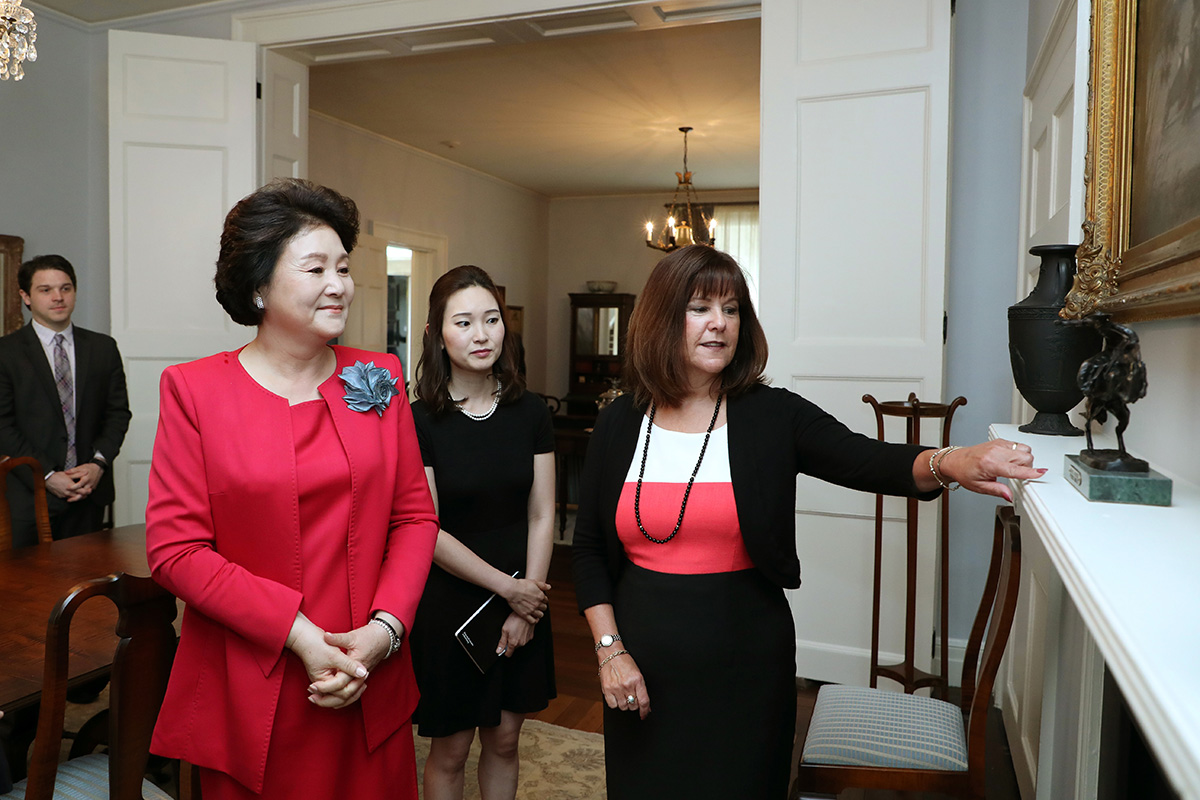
(578, 704)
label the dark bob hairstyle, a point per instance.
(433, 369)
(36, 264)
(657, 373)
(258, 229)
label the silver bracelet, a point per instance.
(935, 463)
(393, 637)
(610, 657)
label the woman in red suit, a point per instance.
(289, 509)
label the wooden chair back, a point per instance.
(981, 663)
(997, 607)
(141, 666)
(41, 511)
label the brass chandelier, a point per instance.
(18, 32)
(685, 215)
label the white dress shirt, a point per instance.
(46, 337)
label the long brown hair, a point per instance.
(433, 369)
(654, 372)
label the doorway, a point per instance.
(399, 324)
(419, 259)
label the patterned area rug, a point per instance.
(556, 764)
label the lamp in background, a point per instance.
(18, 32)
(683, 215)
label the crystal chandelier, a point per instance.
(683, 214)
(18, 32)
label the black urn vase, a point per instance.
(1045, 352)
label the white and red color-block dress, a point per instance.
(713, 638)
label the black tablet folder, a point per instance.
(480, 633)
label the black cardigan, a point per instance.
(773, 436)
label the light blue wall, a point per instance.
(989, 81)
(53, 179)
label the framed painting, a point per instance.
(12, 249)
(516, 319)
(1140, 255)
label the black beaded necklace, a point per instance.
(637, 496)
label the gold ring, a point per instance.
(1014, 445)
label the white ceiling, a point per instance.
(592, 114)
(567, 104)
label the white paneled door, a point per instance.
(283, 140)
(181, 118)
(366, 326)
(853, 197)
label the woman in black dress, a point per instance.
(488, 447)
(685, 538)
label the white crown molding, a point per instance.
(232, 7)
(154, 17)
(40, 12)
(331, 21)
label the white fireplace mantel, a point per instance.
(1133, 573)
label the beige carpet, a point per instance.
(556, 764)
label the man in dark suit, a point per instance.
(63, 401)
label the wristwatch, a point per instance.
(607, 640)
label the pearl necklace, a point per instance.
(481, 417)
(637, 497)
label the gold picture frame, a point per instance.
(1158, 277)
(12, 250)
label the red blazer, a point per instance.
(222, 533)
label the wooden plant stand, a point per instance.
(906, 672)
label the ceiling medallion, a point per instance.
(682, 215)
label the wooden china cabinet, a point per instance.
(598, 325)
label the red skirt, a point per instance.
(322, 752)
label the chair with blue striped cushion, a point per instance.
(141, 665)
(84, 778)
(873, 739)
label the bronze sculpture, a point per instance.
(1111, 380)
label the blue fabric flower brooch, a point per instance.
(368, 387)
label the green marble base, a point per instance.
(1140, 488)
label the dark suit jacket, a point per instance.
(774, 435)
(31, 420)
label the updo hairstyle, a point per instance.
(258, 229)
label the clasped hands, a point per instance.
(75, 483)
(527, 599)
(338, 664)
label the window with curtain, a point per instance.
(737, 234)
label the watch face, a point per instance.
(606, 640)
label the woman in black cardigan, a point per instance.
(685, 537)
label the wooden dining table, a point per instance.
(33, 579)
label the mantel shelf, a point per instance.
(1132, 573)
